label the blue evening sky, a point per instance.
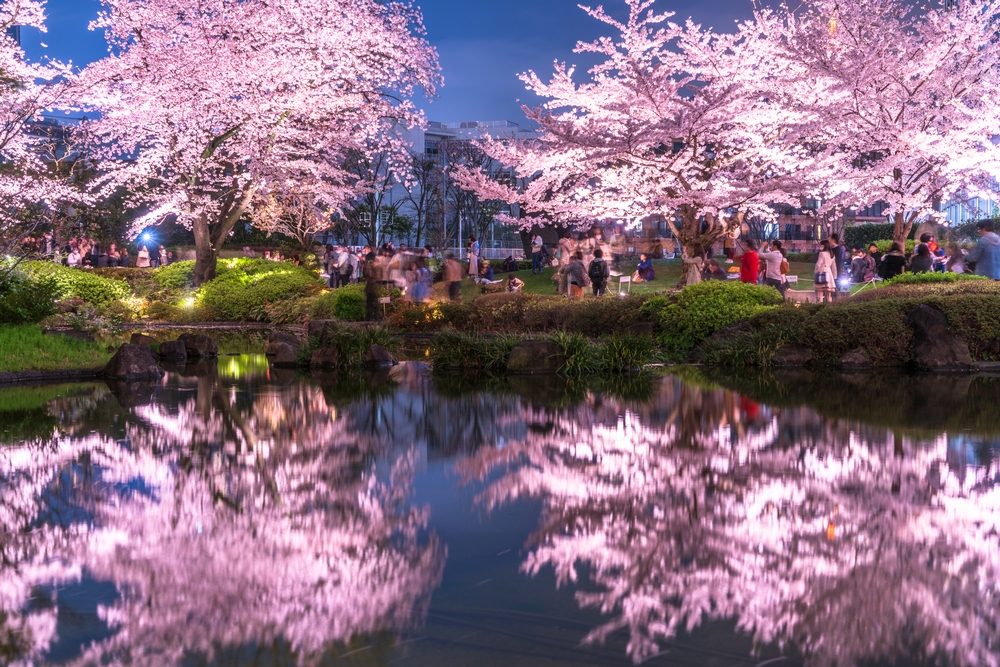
(482, 45)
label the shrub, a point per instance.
(286, 311)
(975, 318)
(884, 246)
(862, 235)
(140, 281)
(926, 290)
(701, 310)
(928, 278)
(352, 342)
(625, 353)
(75, 283)
(244, 287)
(177, 276)
(452, 350)
(345, 303)
(121, 311)
(24, 300)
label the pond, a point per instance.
(232, 514)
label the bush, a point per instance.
(923, 290)
(351, 343)
(928, 278)
(140, 281)
(177, 276)
(454, 350)
(884, 246)
(863, 235)
(75, 283)
(345, 303)
(245, 297)
(701, 310)
(522, 264)
(24, 300)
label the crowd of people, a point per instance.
(91, 253)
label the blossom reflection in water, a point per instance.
(841, 539)
(223, 515)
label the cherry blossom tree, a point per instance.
(674, 120)
(904, 96)
(205, 105)
(297, 213)
(29, 179)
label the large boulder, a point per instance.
(142, 339)
(173, 350)
(854, 360)
(131, 363)
(536, 356)
(379, 357)
(324, 357)
(317, 328)
(276, 338)
(935, 348)
(199, 345)
(283, 355)
(792, 355)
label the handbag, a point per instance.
(784, 267)
(820, 278)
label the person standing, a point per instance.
(825, 277)
(142, 259)
(693, 265)
(729, 248)
(922, 261)
(123, 260)
(956, 259)
(453, 277)
(774, 257)
(474, 250)
(565, 252)
(750, 264)
(536, 253)
(599, 272)
(986, 254)
(839, 256)
(372, 287)
(576, 276)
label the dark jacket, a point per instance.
(921, 263)
(892, 265)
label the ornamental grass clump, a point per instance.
(351, 342)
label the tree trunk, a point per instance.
(901, 228)
(205, 255)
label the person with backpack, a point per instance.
(576, 276)
(599, 272)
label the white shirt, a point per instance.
(772, 264)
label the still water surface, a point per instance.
(234, 515)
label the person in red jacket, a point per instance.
(750, 263)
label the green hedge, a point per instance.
(701, 310)
(24, 300)
(244, 288)
(929, 278)
(73, 283)
(885, 245)
(344, 303)
(863, 235)
(877, 326)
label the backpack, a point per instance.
(596, 271)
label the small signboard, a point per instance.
(383, 300)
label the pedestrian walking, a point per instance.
(453, 277)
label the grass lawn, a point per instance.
(668, 273)
(26, 348)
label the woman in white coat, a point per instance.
(826, 273)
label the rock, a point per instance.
(199, 367)
(69, 305)
(276, 337)
(792, 354)
(316, 328)
(379, 357)
(174, 350)
(199, 345)
(324, 357)
(142, 339)
(854, 360)
(934, 347)
(132, 394)
(132, 362)
(536, 356)
(283, 355)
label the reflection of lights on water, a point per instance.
(831, 531)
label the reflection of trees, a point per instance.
(701, 505)
(225, 515)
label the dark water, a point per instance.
(235, 515)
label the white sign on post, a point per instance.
(383, 300)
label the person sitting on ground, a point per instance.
(986, 254)
(874, 253)
(644, 272)
(514, 284)
(714, 271)
(486, 275)
(893, 263)
(859, 266)
(956, 259)
(922, 260)
(509, 264)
